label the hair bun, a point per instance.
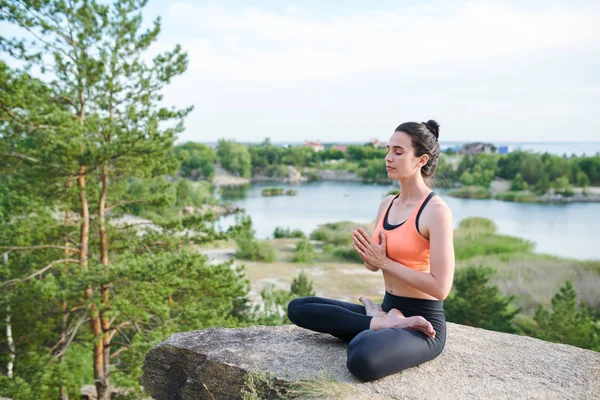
(433, 127)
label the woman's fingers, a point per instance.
(359, 239)
(364, 235)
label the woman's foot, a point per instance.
(395, 319)
(373, 310)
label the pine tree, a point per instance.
(566, 323)
(474, 302)
(72, 139)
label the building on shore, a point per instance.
(478, 148)
(377, 143)
(316, 146)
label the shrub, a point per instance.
(474, 302)
(281, 233)
(470, 192)
(519, 197)
(304, 252)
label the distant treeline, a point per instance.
(536, 171)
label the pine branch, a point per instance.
(16, 118)
(22, 24)
(116, 353)
(38, 247)
(41, 271)
(33, 160)
(124, 203)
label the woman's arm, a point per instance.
(438, 281)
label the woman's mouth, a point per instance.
(389, 168)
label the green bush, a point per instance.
(254, 250)
(478, 224)
(347, 253)
(466, 247)
(336, 233)
(281, 233)
(474, 302)
(273, 310)
(567, 323)
(470, 192)
(304, 252)
(248, 248)
(272, 192)
(519, 197)
(291, 192)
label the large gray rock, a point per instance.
(475, 364)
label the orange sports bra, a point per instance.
(404, 242)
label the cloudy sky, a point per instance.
(352, 70)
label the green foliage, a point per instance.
(302, 286)
(272, 191)
(336, 233)
(337, 240)
(470, 192)
(373, 170)
(474, 302)
(518, 183)
(84, 142)
(300, 156)
(347, 253)
(304, 252)
(248, 248)
(567, 323)
(367, 152)
(280, 233)
(519, 197)
(478, 225)
(234, 157)
(197, 160)
(275, 301)
(476, 237)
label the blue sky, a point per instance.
(520, 71)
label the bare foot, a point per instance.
(373, 310)
(395, 319)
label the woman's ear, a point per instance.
(424, 159)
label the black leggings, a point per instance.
(374, 354)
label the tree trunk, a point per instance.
(105, 289)
(65, 313)
(99, 378)
(11, 344)
(9, 338)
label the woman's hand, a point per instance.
(373, 254)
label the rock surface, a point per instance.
(475, 364)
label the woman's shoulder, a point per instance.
(386, 201)
(437, 207)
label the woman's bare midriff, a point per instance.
(398, 288)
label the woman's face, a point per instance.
(400, 160)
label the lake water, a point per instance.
(567, 230)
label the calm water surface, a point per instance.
(567, 230)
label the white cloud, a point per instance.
(485, 70)
(259, 45)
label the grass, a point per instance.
(470, 192)
(519, 197)
(264, 385)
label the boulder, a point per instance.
(216, 363)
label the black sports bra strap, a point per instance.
(422, 207)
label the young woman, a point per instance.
(412, 245)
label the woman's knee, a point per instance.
(362, 361)
(296, 309)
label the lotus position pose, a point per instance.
(412, 245)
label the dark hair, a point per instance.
(424, 137)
